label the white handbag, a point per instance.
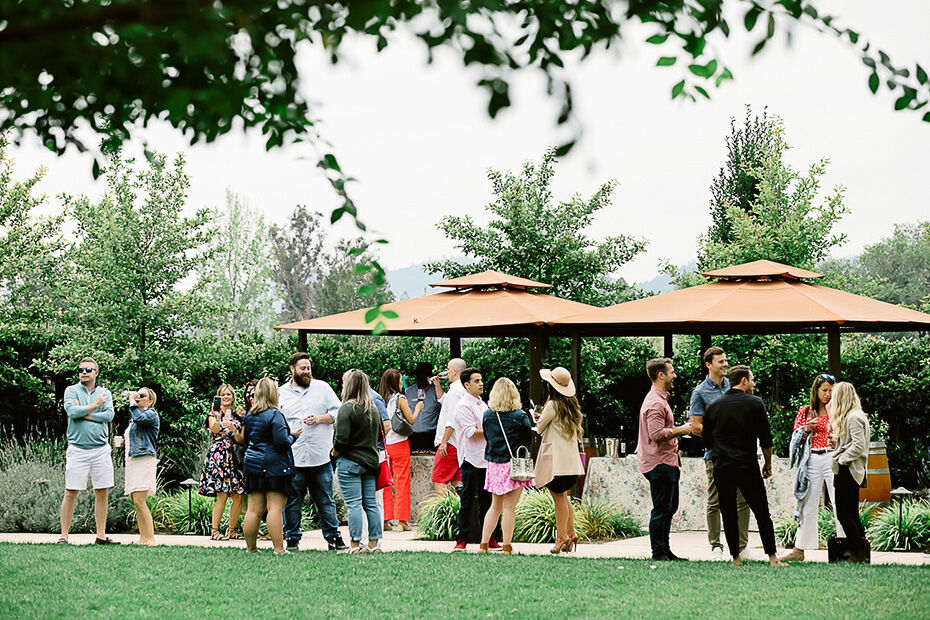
(522, 468)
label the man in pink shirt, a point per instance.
(658, 454)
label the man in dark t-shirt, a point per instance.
(732, 425)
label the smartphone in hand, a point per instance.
(217, 401)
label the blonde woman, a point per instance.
(268, 465)
(558, 463)
(849, 461)
(506, 428)
(357, 464)
(140, 442)
(220, 478)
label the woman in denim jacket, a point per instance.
(140, 441)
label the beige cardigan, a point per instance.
(852, 449)
(558, 453)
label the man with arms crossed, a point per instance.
(310, 404)
(89, 408)
(733, 424)
(707, 391)
(658, 455)
(446, 461)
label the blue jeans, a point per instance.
(319, 480)
(358, 490)
(663, 484)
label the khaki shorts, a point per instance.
(96, 462)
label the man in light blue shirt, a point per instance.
(707, 391)
(89, 408)
(312, 404)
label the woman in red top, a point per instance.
(814, 421)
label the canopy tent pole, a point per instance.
(455, 347)
(669, 349)
(576, 362)
(705, 344)
(833, 349)
(302, 340)
(537, 350)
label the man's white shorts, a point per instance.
(96, 462)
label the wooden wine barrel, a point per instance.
(879, 489)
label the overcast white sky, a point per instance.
(418, 138)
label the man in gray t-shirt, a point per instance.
(427, 390)
(707, 391)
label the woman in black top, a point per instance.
(356, 453)
(269, 465)
(507, 428)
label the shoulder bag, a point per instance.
(522, 468)
(399, 423)
(385, 477)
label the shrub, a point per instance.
(625, 525)
(30, 500)
(593, 520)
(910, 530)
(786, 527)
(535, 518)
(438, 518)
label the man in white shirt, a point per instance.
(311, 404)
(446, 462)
(469, 437)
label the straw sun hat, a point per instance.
(560, 380)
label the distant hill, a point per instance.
(662, 283)
(413, 281)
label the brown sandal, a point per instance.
(217, 536)
(233, 535)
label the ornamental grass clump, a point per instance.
(438, 518)
(534, 518)
(595, 521)
(786, 527)
(909, 531)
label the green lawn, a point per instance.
(49, 581)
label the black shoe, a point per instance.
(105, 541)
(293, 545)
(672, 556)
(661, 557)
(336, 544)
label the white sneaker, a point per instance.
(716, 554)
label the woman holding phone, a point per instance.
(220, 478)
(140, 442)
(813, 424)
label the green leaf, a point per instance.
(926, 118)
(868, 61)
(758, 47)
(702, 91)
(704, 71)
(389, 314)
(677, 89)
(873, 83)
(751, 16)
(667, 61)
(724, 75)
(356, 251)
(372, 315)
(365, 291)
(378, 329)
(771, 28)
(95, 169)
(657, 39)
(329, 161)
(921, 75)
(362, 268)
(902, 102)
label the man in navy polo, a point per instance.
(707, 391)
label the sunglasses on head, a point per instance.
(829, 378)
(87, 370)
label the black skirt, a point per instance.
(263, 484)
(560, 484)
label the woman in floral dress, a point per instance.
(220, 477)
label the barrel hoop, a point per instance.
(878, 472)
(876, 451)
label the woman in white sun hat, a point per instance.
(558, 463)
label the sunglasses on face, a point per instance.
(829, 378)
(141, 395)
(87, 370)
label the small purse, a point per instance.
(522, 468)
(385, 476)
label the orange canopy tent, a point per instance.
(757, 297)
(484, 304)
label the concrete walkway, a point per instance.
(690, 545)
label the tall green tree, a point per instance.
(314, 281)
(735, 184)
(240, 270)
(134, 251)
(532, 236)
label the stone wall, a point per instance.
(617, 480)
